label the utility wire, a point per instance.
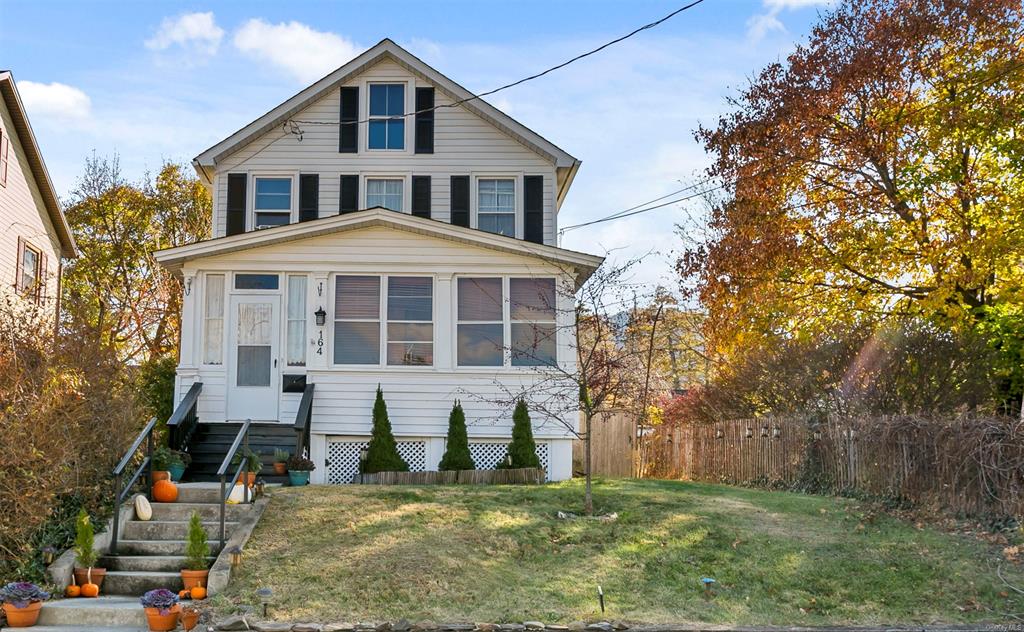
(474, 97)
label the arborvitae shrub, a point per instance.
(382, 455)
(523, 449)
(456, 454)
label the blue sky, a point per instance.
(155, 81)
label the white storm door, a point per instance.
(254, 377)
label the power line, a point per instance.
(474, 97)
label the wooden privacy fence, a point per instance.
(969, 464)
(613, 446)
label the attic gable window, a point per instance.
(273, 202)
(387, 123)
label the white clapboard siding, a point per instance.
(464, 144)
(23, 214)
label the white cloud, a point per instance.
(55, 102)
(760, 25)
(303, 52)
(193, 32)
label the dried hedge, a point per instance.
(67, 412)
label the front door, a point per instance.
(253, 379)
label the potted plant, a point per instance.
(22, 602)
(162, 609)
(252, 467)
(162, 459)
(280, 460)
(196, 567)
(177, 464)
(189, 617)
(87, 575)
(298, 470)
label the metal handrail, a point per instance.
(183, 421)
(122, 491)
(303, 420)
(241, 439)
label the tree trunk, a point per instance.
(588, 499)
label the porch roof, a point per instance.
(582, 265)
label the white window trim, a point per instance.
(474, 197)
(364, 106)
(293, 211)
(405, 178)
(506, 312)
(332, 284)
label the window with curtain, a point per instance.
(357, 320)
(384, 192)
(387, 123)
(496, 206)
(213, 320)
(480, 328)
(296, 343)
(532, 313)
(410, 321)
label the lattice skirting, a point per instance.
(487, 454)
(343, 458)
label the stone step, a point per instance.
(161, 547)
(208, 512)
(138, 582)
(206, 493)
(89, 628)
(101, 611)
(169, 530)
(161, 563)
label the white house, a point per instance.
(376, 229)
(34, 235)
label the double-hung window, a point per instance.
(273, 202)
(5, 148)
(532, 313)
(496, 206)
(29, 269)
(387, 120)
(481, 328)
(213, 320)
(410, 321)
(357, 320)
(386, 192)
(296, 342)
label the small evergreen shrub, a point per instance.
(522, 449)
(382, 454)
(84, 540)
(197, 548)
(456, 453)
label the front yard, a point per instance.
(500, 554)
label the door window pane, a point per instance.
(357, 320)
(253, 338)
(256, 281)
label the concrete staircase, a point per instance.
(151, 555)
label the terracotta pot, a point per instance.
(250, 478)
(280, 469)
(189, 619)
(161, 475)
(191, 579)
(163, 622)
(22, 617)
(81, 576)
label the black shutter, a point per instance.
(533, 207)
(421, 196)
(349, 194)
(236, 203)
(424, 121)
(348, 130)
(309, 196)
(460, 200)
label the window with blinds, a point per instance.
(480, 329)
(532, 314)
(410, 332)
(357, 320)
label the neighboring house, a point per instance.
(34, 235)
(353, 247)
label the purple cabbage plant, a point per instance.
(161, 599)
(21, 594)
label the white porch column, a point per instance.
(444, 322)
(320, 346)
(191, 293)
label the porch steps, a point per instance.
(101, 613)
(212, 441)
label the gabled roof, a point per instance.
(35, 162)
(387, 49)
(174, 258)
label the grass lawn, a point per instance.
(499, 554)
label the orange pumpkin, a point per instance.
(183, 594)
(72, 591)
(90, 590)
(198, 592)
(165, 492)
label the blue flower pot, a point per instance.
(298, 479)
(177, 471)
